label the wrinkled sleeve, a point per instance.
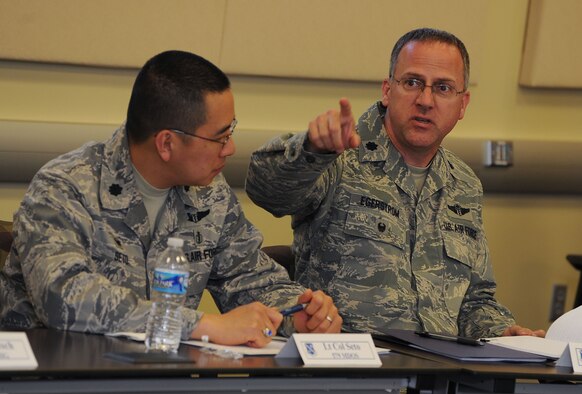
(481, 314)
(285, 179)
(54, 238)
(242, 273)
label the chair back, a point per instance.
(283, 255)
(5, 241)
(576, 261)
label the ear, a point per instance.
(164, 143)
(385, 92)
(465, 103)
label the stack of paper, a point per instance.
(543, 346)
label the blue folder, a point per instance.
(487, 353)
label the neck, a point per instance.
(146, 160)
(417, 157)
(421, 160)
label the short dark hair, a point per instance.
(169, 92)
(427, 35)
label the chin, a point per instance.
(204, 182)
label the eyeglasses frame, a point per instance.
(424, 86)
(222, 140)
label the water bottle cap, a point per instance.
(176, 242)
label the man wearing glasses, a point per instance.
(95, 221)
(387, 221)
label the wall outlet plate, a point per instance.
(498, 154)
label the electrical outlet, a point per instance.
(498, 154)
(558, 303)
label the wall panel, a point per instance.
(348, 39)
(109, 33)
(552, 54)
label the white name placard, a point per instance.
(575, 350)
(15, 351)
(328, 350)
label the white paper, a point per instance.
(542, 346)
(565, 330)
(568, 327)
(15, 352)
(272, 348)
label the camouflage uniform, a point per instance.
(82, 247)
(388, 257)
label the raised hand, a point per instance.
(333, 131)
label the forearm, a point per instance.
(481, 314)
(285, 179)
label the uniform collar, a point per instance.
(377, 147)
(118, 189)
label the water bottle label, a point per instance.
(170, 282)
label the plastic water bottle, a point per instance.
(164, 325)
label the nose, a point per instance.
(228, 149)
(425, 97)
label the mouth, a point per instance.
(422, 120)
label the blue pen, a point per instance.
(293, 309)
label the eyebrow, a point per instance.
(437, 80)
(224, 129)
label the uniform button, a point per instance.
(381, 227)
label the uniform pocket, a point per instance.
(375, 225)
(371, 254)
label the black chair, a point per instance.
(283, 255)
(5, 240)
(576, 261)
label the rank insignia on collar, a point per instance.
(115, 189)
(459, 210)
(371, 145)
(198, 216)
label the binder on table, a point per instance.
(461, 352)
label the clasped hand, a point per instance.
(255, 323)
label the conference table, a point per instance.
(500, 377)
(70, 362)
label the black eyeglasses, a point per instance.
(441, 89)
(222, 140)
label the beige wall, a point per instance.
(529, 235)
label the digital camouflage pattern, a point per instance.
(388, 257)
(82, 248)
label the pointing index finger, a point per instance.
(345, 107)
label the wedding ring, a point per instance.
(328, 318)
(267, 332)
